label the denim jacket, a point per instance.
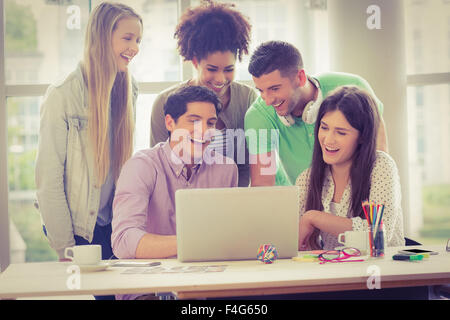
(68, 199)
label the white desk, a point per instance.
(240, 278)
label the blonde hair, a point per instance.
(107, 86)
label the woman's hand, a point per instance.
(313, 222)
(305, 231)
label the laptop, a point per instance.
(232, 223)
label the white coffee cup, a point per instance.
(355, 239)
(84, 255)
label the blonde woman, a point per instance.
(86, 133)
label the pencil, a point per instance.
(380, 217)
(374, 214)
(363, 204)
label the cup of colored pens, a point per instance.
(374, 216)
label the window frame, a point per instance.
(4, 216)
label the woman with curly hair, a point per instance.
(213, 36)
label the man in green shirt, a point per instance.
(279, 125)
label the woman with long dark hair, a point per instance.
(346, 170)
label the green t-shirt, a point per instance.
(295, 143)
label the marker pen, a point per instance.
(416, 257)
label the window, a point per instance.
(23, 129)
(44, 42)
(158, 58)
(33, 56)
(427, 47)
(427, 36)
(143, 113)
(287, 20)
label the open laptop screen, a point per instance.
(231, 223)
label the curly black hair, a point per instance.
(212, 27)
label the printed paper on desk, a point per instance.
(176, 269)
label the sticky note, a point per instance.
(306, 258)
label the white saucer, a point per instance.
(94, 267)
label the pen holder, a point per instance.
(376, 239)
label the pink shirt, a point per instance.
(144, 201)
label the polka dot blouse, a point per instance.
(384, 189)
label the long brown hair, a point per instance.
(107, 86)
(360, 110)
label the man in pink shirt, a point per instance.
(144, 219)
